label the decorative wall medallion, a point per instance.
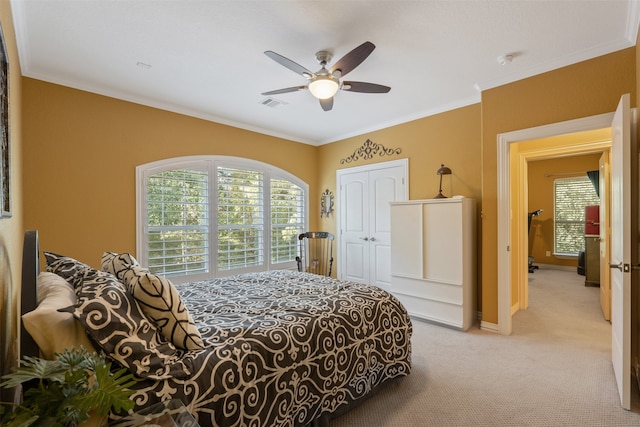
(368, 150)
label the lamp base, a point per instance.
(440, 196)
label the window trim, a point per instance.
(210, 163)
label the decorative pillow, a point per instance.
(117, 264)
(158, 298)
(112, 317)
(52, 330)
(66, 267)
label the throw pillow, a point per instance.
(158, 298)
(113, 318)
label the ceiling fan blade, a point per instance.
(293, 66)
(352, 59)
(365, 87)
(326, 104)
(285, 90)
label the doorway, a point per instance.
(547, 159)
(508, 178)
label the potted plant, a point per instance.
(64, 392)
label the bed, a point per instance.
(278, 348)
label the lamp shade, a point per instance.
(324, 87)
(443, 170)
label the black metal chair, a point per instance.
(316, 253)
(530, 216)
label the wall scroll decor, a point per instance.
(326, 203)
(5, 159)
(368, 150)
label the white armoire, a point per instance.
(433, 259)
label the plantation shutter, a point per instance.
(240, 218)
(178, 222)
(287, 219)
(571, 195)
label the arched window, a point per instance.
(208, 216)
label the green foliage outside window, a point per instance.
(179, 227)
(240, 218)
(178, 217)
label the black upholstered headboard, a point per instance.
(29, 295)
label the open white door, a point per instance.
(623, 188)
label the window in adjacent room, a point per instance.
(571, 195)
(212, 216)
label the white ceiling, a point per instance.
(204, 58)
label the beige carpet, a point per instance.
(554, 370)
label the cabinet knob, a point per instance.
(364, 238)
(373, 239)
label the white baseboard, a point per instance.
(490, 327)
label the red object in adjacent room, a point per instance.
(592, 220)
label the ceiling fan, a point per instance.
(324, 84)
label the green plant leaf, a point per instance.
(68, 389)
(112, 389)
(34, 368)
(24, 419)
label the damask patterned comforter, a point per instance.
(284, 348)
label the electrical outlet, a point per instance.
(548, 253)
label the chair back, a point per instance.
(316, 253)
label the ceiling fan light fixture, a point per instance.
(324, 87)
(325, 83)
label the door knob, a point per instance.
(364, 238)
(373, 239)
(625, 268)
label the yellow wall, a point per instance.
(11, 230)
(585, 89)
(541, 197)
(82, 153)
(452, 138)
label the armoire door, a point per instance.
(364, 220)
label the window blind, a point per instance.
(178, 222)
(240, 218)
(211, 216)
(287, 219)
(571, 195)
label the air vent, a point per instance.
(272, 102)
